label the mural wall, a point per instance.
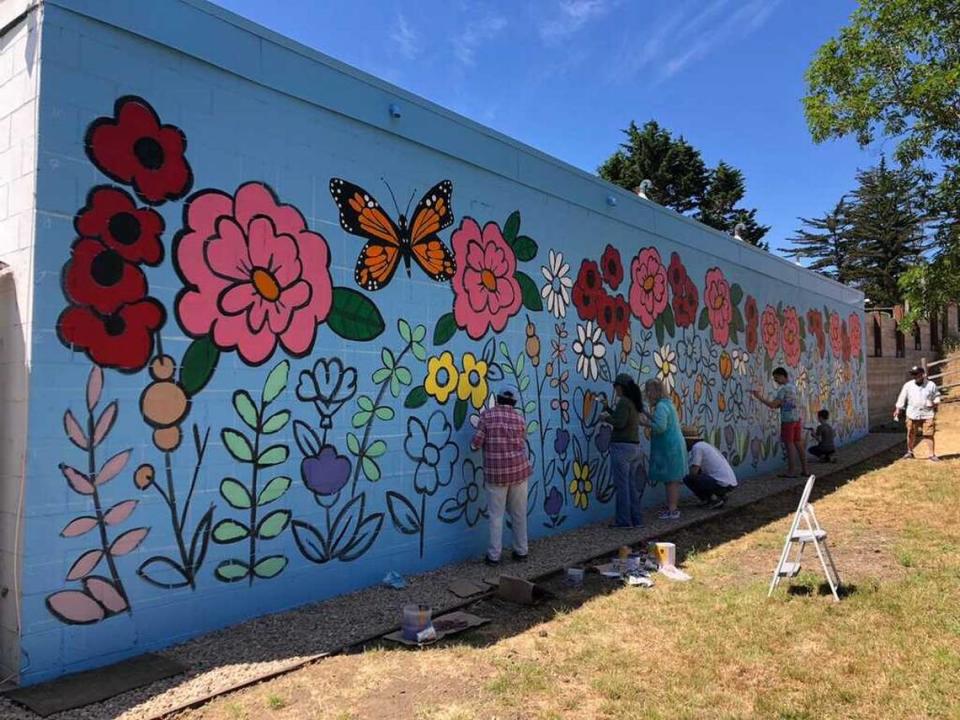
(265, 331)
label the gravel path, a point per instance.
(252, 649)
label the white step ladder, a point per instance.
(811, 534)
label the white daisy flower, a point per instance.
(666, 361)
(801, 381)
(741, 359)
(589, 350)
(475, 417)
(556, 293)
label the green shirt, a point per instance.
(625, 421)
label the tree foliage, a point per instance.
(825, 243)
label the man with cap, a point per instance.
(710, 478)
(501, 433)
(920, 398)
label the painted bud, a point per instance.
(531, 329)
(549, 369)
(167, 439)
(533, 349)
(627, 344)
(163, 404)
(143, 476)
(162, 367)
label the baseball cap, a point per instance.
(917, 370)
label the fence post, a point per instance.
(923, 364)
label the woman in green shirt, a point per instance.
(668, 451)
(626, 467)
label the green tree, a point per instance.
(718, 206)
(825, 242)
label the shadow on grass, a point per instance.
(823, 589)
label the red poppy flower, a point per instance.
(112, 217)
(99, 277)
(815, 326)
(132, 147)
(612, 267)
(613, 316)
(676, 274)
(588, 291)
(121, 340)
(752, 318)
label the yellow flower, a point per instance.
(581, 486)
(442, 377)
(473, 381)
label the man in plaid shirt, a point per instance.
(506, 467)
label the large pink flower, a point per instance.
(791, 336)
(770, 331)
(253, 274)
(856, 339)
(486, 293)
(836, 335)
(716, 296)
(648, 286)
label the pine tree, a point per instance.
(718, 206)
(826, 243)
(888, 224)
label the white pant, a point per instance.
(513, 498)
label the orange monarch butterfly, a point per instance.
(388, 242)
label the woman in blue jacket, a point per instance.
(668, 451)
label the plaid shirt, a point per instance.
(502, 435)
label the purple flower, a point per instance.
(326, 472)
(603, 437)
(729, 435)
(560, 441)
(553, 503)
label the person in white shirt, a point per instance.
(919, 398)
(710, 477)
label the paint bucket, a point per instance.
(633, 563)
(663, 553)
(416, 619)
(574, 577)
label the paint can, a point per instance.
(574, 577)
(416, 619)
(664, 553)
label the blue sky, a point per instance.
(565, 76)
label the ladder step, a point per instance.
(789, 569)
(809, 536)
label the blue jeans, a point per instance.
(628, 481)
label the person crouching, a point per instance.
(710, 478)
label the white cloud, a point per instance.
(406, 38)
(571, 15)
(475, 33)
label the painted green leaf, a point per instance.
(416, 398)
(361, 418)
(505, 351)
(459, 413)
(524, 383)
(230, 531)
(736, 294)
(520, 364)
(376, 449)
(243, 404)
(365, 403)
(669, 324)
(658, 328)
(276, 381)
(529, 292)
(232, 570)
(532, 427)
(394, 386)
(381, 375)
(353, 444)
(199, 362)
(354, 316)
(404, 377)
(235, 493)
(273, 524)
(270, 566)
(384, 413)
(525, 247)
(370, 469)
(237, 444)
(273, 490)
(389, 361)
(418, 350)
(738, 323)
(276, 422)
(511, 227)
(403, 327)
(405, 517)
(704, 321)
(419, 333)
(446, 328)
(273, 455)
(529, 407)
(734, 336)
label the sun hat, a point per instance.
(505, 396)
(691, 432)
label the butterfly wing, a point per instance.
(433, 213)
(361, 214)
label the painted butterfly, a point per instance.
(389, 242)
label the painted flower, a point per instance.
(134, 148)
(612, 267)
(741, 360)
(614, 317)
(840, 375)
(665, 360)
(556, 292)
(561, 405)
(686, 300)
(588, 290)
(99, 277)
(855, 332)
(836, 335)
(469, 496)
(844, 342)
(801, 380)
(690, 355)
(558, 348)
(430, 447)
(325, 473)
(586, 407)
(648, 286)
(442, 376)
(581, 486)
(112, 217)
(561, 440)
(725, 365)
(589, 350)
(815, 326)
(328, 385)
(770, 329)
(603, 438)
(254, 275)
(751, 317)
(791, 336)
(716, 297)
(486, 293)
(122, 340)
(553, 502)
(472, 383)
(561, 381)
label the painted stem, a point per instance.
(543, 431)
(201, 451)
(177, 526)
(423, 519)
(253, 491)
(101, 525)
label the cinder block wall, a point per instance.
(316, 420)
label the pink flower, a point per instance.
(253, 274)
(836, 335)
(719, 307)
(648, 286)
(791, 336)
(486, 293)
(856, 340)
(770, 331)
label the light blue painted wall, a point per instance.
(256, 107)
